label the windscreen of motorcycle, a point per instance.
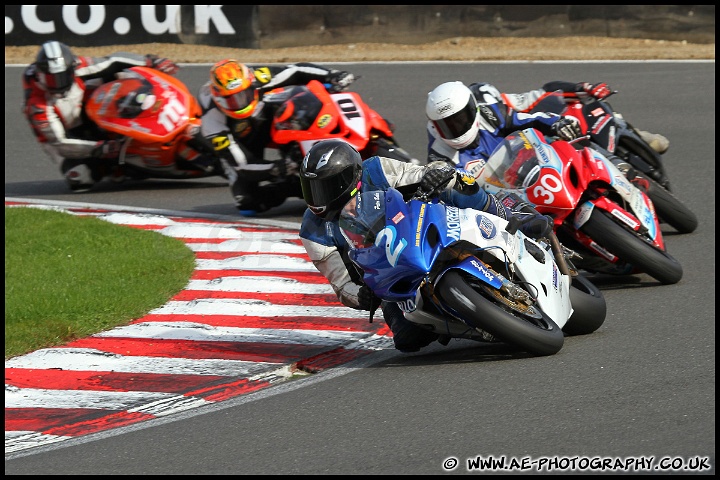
(362, 218)
(298, 113)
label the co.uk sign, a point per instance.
(97, 25)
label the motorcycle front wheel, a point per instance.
(589, 307)
(631, 248)
(481, 307)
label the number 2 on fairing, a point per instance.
(393, 248)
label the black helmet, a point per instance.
(56, 67)
(329, 176)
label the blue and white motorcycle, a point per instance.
(464, 273)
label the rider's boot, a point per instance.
(657, 142)
(407, 336)
(79, 178)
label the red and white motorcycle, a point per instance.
(597, 212)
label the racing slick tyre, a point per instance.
(483, 307)
(632, 248)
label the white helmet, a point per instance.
(452, 109)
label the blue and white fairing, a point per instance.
(396, 244)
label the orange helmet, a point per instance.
(232, 89)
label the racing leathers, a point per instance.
(260, 175)
(496, 122)
(328, 249)
(59, 122)
(525, 102)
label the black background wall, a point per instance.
(277, 26)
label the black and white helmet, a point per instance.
(55, 67)
(330, 175)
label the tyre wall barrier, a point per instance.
(278, 26)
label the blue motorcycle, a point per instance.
(464, 273)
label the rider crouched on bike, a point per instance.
(524, 102)
(466, 124)
(333, 172)
(238, 109)
(55, 87)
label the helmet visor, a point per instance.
(57, 82)
(239, 102)
(459, 123)
(320, 193)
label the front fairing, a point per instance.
(524, 163)
(167, 108)
(389, 241)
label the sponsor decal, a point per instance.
(421, 219)
(600, 124)
(444, 108)
(625, 219)
(243, 128)
(452, 219)
(489, 115)
(262, 74)
(324, 120)
(486, 226)
(483, 270)
(600, 250)
(474, 167)
(407, 306)
(509, 202)
(398, 218)
(220, 142)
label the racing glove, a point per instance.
(159, 63)
(107, 149)
(367, 300)
(435, 179)
(340, 81)
(597, 90)
(567, 128)
(532, 223)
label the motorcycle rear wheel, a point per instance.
(534, 332)
(631, 248)
(671, 210)
(589, 307)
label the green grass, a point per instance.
(67, 277)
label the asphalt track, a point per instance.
(640, 387)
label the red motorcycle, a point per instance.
(158, 119)
(311, 114)
(597, 212)
(610, 133)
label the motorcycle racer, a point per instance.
(333, 172)
(465, 124)
(55, 88)
(239, 102)
(525, 102)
